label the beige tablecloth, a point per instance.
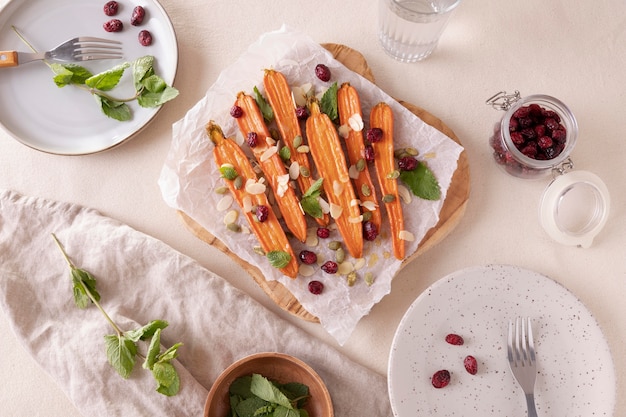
(141, 279)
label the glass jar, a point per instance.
(575, 205)
(516, 141)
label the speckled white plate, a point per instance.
(575, 369)
(67, 120)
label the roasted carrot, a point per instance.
(281, 100)
(269, 232)
(351, 116)
(331, 165)
(381, 118)
(266, 154)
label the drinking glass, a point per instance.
(409, 30)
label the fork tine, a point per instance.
(531, 342)
(509, 343)
(97, 40)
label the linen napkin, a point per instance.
(142, 279)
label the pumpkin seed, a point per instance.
(360, 165)
(351, 278)
(238, 183)
(304, 171)
(393, 174)
(340, 255)
(297, 141)
(365, 190)
(389, 198)
(334, 245)
(233, 227)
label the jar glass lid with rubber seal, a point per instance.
(534, 140)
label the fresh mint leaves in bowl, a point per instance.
(268, 382)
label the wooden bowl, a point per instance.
(274, 366)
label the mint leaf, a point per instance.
(170, 354)
(153, 350)
(166, 376)
(328, 103)
(228, 172)
(310, 203)
(151, 99)
(249, 406)
(67, 74)
(121, 354)
(143, 67)
(114, 109)
(82, 279)
(422, 182)
(265, 390)
(107, 80)
(147, 331)
(266, 109)
(278, 258)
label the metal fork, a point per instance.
(521, 351)
(82, 48)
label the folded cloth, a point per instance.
(141, 279)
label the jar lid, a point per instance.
(574, 208)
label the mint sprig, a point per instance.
(150, 89)
(121, 347)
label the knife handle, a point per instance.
(8, 59)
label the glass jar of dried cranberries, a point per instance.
(535, 136)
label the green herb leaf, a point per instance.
(153, 350)
(310, 203)
(228, 172)
(114, 109)
(81, 277)
(422, 182)
(266, 109)
(264, 389)
(67, 74)
(143, 68)
(147, 331)
(278, 258)
(166, 376)
(107, 80)
(121, 354)
(328, 103)
(149, 99)
(249, 406)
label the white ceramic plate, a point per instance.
(67, 120)
(575, 369)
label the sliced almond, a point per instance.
(335, 211)
(356, 122)
(224, 203)
(337, 188)
(294, 170)
(404, 194)
(406, 235)
(231, 217)
(269, 153)
(306, 270)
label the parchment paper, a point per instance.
(190, 176)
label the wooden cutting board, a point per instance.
(451, 212)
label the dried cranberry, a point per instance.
(521, 112)
(454, 339)
(517, 138)
(559, 135)
(471, 365)
(236, 111)
(307, 257)
(551, 124)
(370, 231)
(113, 25)
(145, 38)
(138, 15)
(407, 163)
(374, 134)
(369, 154)
(544, 142)
(323, 232)
(322, 72)
(302, 112)
(262, 213)
(330, 267)
(316, 287)
(110, 9)
(441, 378)
(252, 139)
